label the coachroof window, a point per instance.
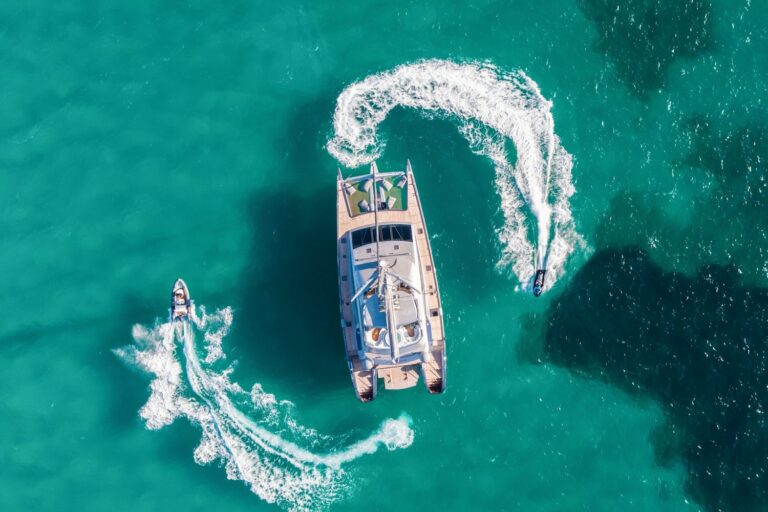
(387, 233)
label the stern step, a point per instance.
(399, 377)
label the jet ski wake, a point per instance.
(491, 107)
(252, 435)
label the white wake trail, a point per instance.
(491, 107)
(253, 435)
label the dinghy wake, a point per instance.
(491, 107)
(251, 434)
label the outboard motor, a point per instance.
(538, 282)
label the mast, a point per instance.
(384, 278)
(375, 190)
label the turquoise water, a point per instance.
(144, 142)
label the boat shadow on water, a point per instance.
(290, 312)
(288, 318)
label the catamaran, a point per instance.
(391, 314)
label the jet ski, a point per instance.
(181, 304)
(538, 282)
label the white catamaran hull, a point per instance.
(391, 200)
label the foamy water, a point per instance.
(252, 434)
(491, 106)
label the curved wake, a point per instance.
(253, 434)
(491, 107)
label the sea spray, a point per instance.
(252, 434)
(491, 106)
